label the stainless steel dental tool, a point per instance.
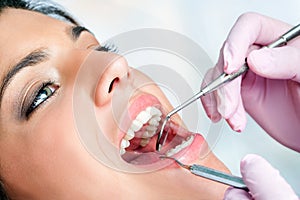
(212, 174)
(219, 81)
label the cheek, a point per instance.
(54, 136)
(106, 124)
(44, 153)
(60, 155)
(57, 143)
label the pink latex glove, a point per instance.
(263, 181)
(269, 91)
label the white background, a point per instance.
(207, 22)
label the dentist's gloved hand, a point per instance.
(263, 181)
(269, 91)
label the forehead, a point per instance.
(23, 31)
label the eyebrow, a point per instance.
(33, 58)
(77, 30)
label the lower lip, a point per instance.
(187, 155)
(192, 152)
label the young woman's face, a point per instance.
(41, 153)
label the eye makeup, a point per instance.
(45, 91)
(107, 48)
(35, 96)
(40, 92)
(76, 32)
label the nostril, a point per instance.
(111, 86)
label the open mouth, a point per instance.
(138, 145)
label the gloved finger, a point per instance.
(209, 101)
(250, 28)
(263, 181)
(228, 98)
(228, 95)
(238, 120)
(230, 104)
(236, 194)
(226, 101)
(273, 63)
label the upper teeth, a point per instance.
(150, 115)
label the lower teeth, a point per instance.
(181, 146)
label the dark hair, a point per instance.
(46, 7)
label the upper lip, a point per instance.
(138, 104)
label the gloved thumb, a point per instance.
(276, 63)
(263, 181)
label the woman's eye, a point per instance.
(107, 48)
(44, 93)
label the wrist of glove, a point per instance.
(263, 181)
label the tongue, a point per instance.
(148, 155)
(171, 141)
(135, 145)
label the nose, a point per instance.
(115, 69)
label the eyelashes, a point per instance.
(107, 48)
(43, 93)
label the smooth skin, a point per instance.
(41, 155)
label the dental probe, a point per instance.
(213, 174)
(219, 81)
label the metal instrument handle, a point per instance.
(218, 176)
